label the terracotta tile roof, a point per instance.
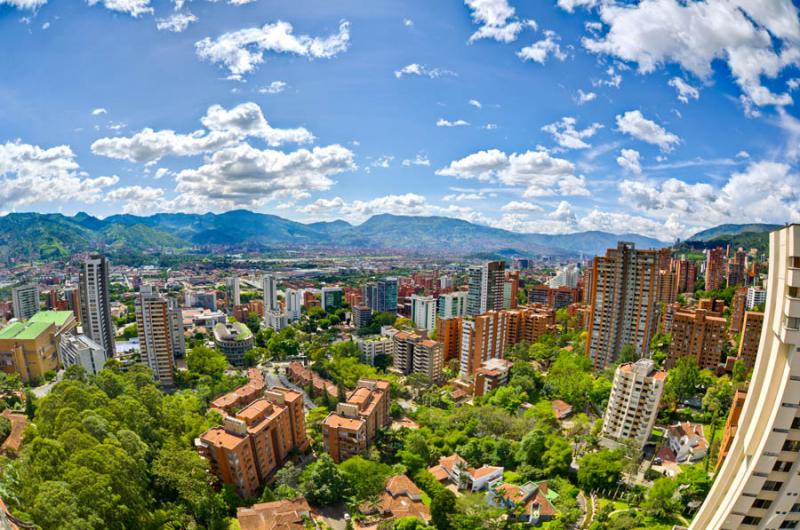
(279, 515)
(438, 472)
(483, 471)
(402, 485)
(336, 421)
(561, 408)
(219, 437)
(18, 421)
(450, 462)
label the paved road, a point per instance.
(42, 391)
(273, 380)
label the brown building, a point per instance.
(510, 289)
(751, 336)
(355, 424)
(667, 287)
(555, 297)
(243, 311)
(494, 373)
(528, 323)
(738, 302)
(731, 426)
(697, 334)
(31, 348)
(735, 270)
(483, 337)
(448, 334)
(252, 444)
(302, 376)
(686, 273)
(287, 514)
(238, 398)
(154, 325)
(715, 272)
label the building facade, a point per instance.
(95, 304)
(30, 348)
(25, 301)
(751, 338)
(233, 339)
(633, 403)
(155, 329)
(423, 312)
(354, 425)
(699, 335)
(452, 304)
(715, 273)
(485, 283)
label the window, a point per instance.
(750, 520)
(762, 503)
(772, 485)
(791, 445)
(782, 466)
(795, 508)
(789, 524)
(796, 423)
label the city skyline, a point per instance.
(555, 117)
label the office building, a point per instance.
(30, 348)
(332, 298)
(270, 293)
(95, 304)
(352, 428)
(758, 483)
(233, 340)
(624, 309)
(485, 283)
(751, 336)
(232, 292)
(25, 301)
(699, 335)
(155, 327)
(362, 316)
(423, 312)
(633, 403)
(755, 297)
(715, 272)
(294, 304)
(381, 296)
(452, 304)
(83, 351)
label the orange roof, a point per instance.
(484, 471)
(255, 411)
(279, 515)
(335, 421)
(402, 485)
(219, 437)
(450, 462)
(18, 423)
(438, 472)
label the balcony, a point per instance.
(792, 307)
(793, 276)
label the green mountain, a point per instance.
(55, 235)
(745, 236)
(730, 230)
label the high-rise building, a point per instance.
(25, 300)
(738, 303)
(699, 335)
(751, 336)
(176, 323)
(381, 296)
(483, 337)
(73, 297)
(452, 304)
(715, 272)
(355, 424)
(294, 304)
(686, 272)
(362, 315)
(155, 335)
(423, 311)
(485, 287)
(758, 484)
(411, 353)
(510, 289)
(448, 334)
(204, 299)
(755, 297)
(567, 276)
(233, 292)
(735, 270)
(633, 403)
(96, 302)
(528, 323)
(332, 298)
(624, 309)
(270, 293)
(667, 291)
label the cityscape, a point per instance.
(379, 265)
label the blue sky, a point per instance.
(657, 117)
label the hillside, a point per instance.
(722, 232)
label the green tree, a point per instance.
(324, 484)
(365, 477)
(206, 361)
(660, 500)
(443, 505)
(600, 470)
(627, 354)
(682, 381)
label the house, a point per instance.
(288, 514)
(455, 469)
(530, 503)
(13, 443)
(687, 441)
(400, 498)
(562, 409)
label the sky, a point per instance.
(660, 117)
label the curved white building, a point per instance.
(758, 485)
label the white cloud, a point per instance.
(540, 50)
(423, 71)
(685, 90)
(614, 79)
(630, 160)
(635, 124)
(134, 8)
(585, 97)
(176, 23)
(567, 136)
(99, 112)
(407, 22)
(30, 174)
(521, 206)
(461, 197)
(746, 34)
(447, 123)
(243, 50)
(223, 128)
(275, 87)
(135, 193)
(537, 171)
(24, 4)
(475, 103)
(46, 26)
(419, 160)
(497, 20)
(383, 161)
(570, 5)
(742, 154)
(490, 126)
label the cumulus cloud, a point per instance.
(475, 103)
(419, 160)
(24, 4)
(521, 206)
(636, 125)
(585, 97)
(630, 160)
(32, 174)
(447, 123)
(275, 87)
(407, 22)
(423, 71)
(176, 23)
(570, 5)
(684, 89)
(99, 112)
(240, 52)
(567, 136)
(134, 8)
(537, 171)
(497, 20)
(223, 127)
(695, 34)
(540, 50)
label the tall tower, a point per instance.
(270, 293)
(486, 284)
(233, 293)
(758, 484)
(714, 269)
(96, 302)
(25, 300)
(624, 284)
(155, 324)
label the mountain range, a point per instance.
(57, 235)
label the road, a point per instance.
(273, 380)
(43, 390)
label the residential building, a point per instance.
(755, 297)
(72, 295)
(423, 312)
(686, 273)
(372, 346)
(758, 483)
(243, 395)
(204, 299)
(448, 334)
(155, 329)
(332, 298)
(528, 323)
(30, 348)
(561, 409)
(276, 320)
(567, 276)
(83, 351)
(233, 339)
(738, 303)
(624, 309)
(428, 359)
(633, 403)
(492, 374)
(455, 470)
(751, 337)
(687, 441)
(362, 316)
(532, 503)
(736, 269)
(286, 514)
(400, 498)
(25, 301)
(667, 291)
(556, 298)
(354, 425)
(452, 304)
(731, 426)
(510, 289)
(233, 295)
(294, 304)
(309, 379)
(176, 323)
(270, 288)
(715, 272)
(381, 296)
(483, 337)
(485, 284)
(697, 334)
(95, 304)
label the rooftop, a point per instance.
(59, 318)
(24, 330)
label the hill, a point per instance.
(731, 230)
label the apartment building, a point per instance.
(423, 312)
(697, 334)
(555, 297)
(494, 373)
(361, 316)
(332, 298)
(372, 346)
(252, 444)
(755, 297)
(233, 339)
(623, 300)
(483, 337)
(758, 484)
(83, 351)
(686, 274)
(25, 301)
(448, 334)
(633, 403)
(485, 284)
(413, 353)
(735, 269)
(95, 302)
(452, 304)
(751, 337)
(731, 426)
(510, 289)
(355, 424)
(154, 323)
(31, 348)
(738, 303)
(529, 323)
(667, 291)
